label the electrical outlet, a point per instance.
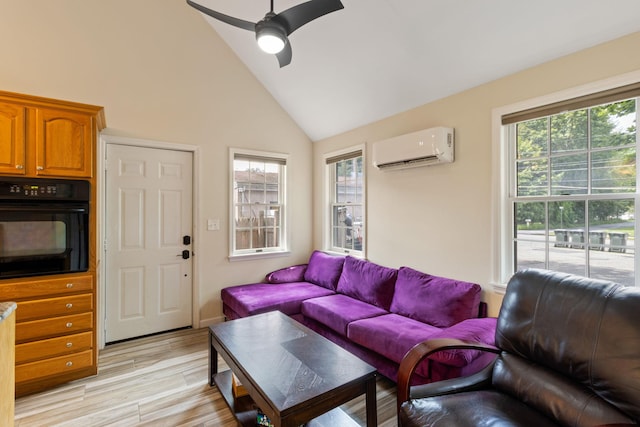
(213, 224)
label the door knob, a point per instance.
(185, 254)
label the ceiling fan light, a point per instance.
(270, 34)
(270, 43)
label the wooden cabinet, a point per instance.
(47, 138)
(55, 333)
(55, 329)
(12, 138)
(7, 358)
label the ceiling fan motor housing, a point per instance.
(271, 34)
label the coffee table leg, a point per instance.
(372, 404)
(213, 361)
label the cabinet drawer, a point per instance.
(62, 325)
(22, 289)
(54, 366)
(49, 307)
(53, 347)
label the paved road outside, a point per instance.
(604, 264)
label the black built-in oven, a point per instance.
(44, 226)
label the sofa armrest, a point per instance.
(432, 346)
(476, 330)
(479, 380)
(295, 273)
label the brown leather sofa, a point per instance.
(568, 354)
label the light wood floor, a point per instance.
(156, 381)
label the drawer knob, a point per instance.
(69, 324)
(69, 305)
(40, 168)
(69, 285)
(20, 167)
(69, 364)
(69, 344)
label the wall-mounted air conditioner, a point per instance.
(422, 148)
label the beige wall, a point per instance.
(439, 219)
(162, 73)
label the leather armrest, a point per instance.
(422, 350)
(479, 380)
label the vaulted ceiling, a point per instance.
(376, 58)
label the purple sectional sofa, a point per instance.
(377, 313)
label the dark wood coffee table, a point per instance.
(294, 375)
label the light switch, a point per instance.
(213, 224)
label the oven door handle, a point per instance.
(44, 208)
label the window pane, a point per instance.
(567, 229)
(614, 266)
(529, 218)
(570, 259)
(348, 182)
(529, 227)
(611, 240)
(569, 131)
(258, 227)
(347, 227)
(569, 175)
(529, 255)
(532, 138)
(532, 178)
(614, 171)
(258, 209)
(613, 125)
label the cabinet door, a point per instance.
(12, 139)
(64, 143)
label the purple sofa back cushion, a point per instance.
(324, 269)
(435, 300)
(367, 282)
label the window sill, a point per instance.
(499, 288)
(354, 254)
(258, 255)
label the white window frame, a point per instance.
(329, 198)
(502, 165)
(283, 185)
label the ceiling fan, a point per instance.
(273, 30)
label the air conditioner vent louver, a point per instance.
(422, 148)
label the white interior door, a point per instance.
(148, 264)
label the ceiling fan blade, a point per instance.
(240, 23)
(295, 17)
(284, 56)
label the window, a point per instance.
(346, 204)
(572, 185)
(258, 203)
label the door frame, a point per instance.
(107, 139)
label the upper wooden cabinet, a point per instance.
(12, 138)
(45, 137)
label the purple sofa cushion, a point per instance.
(435, 300)
(247, 300)
(391, 335)
(481, 330)
(337, 311)
(295, 273)
(324, 269)
(367, 282)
